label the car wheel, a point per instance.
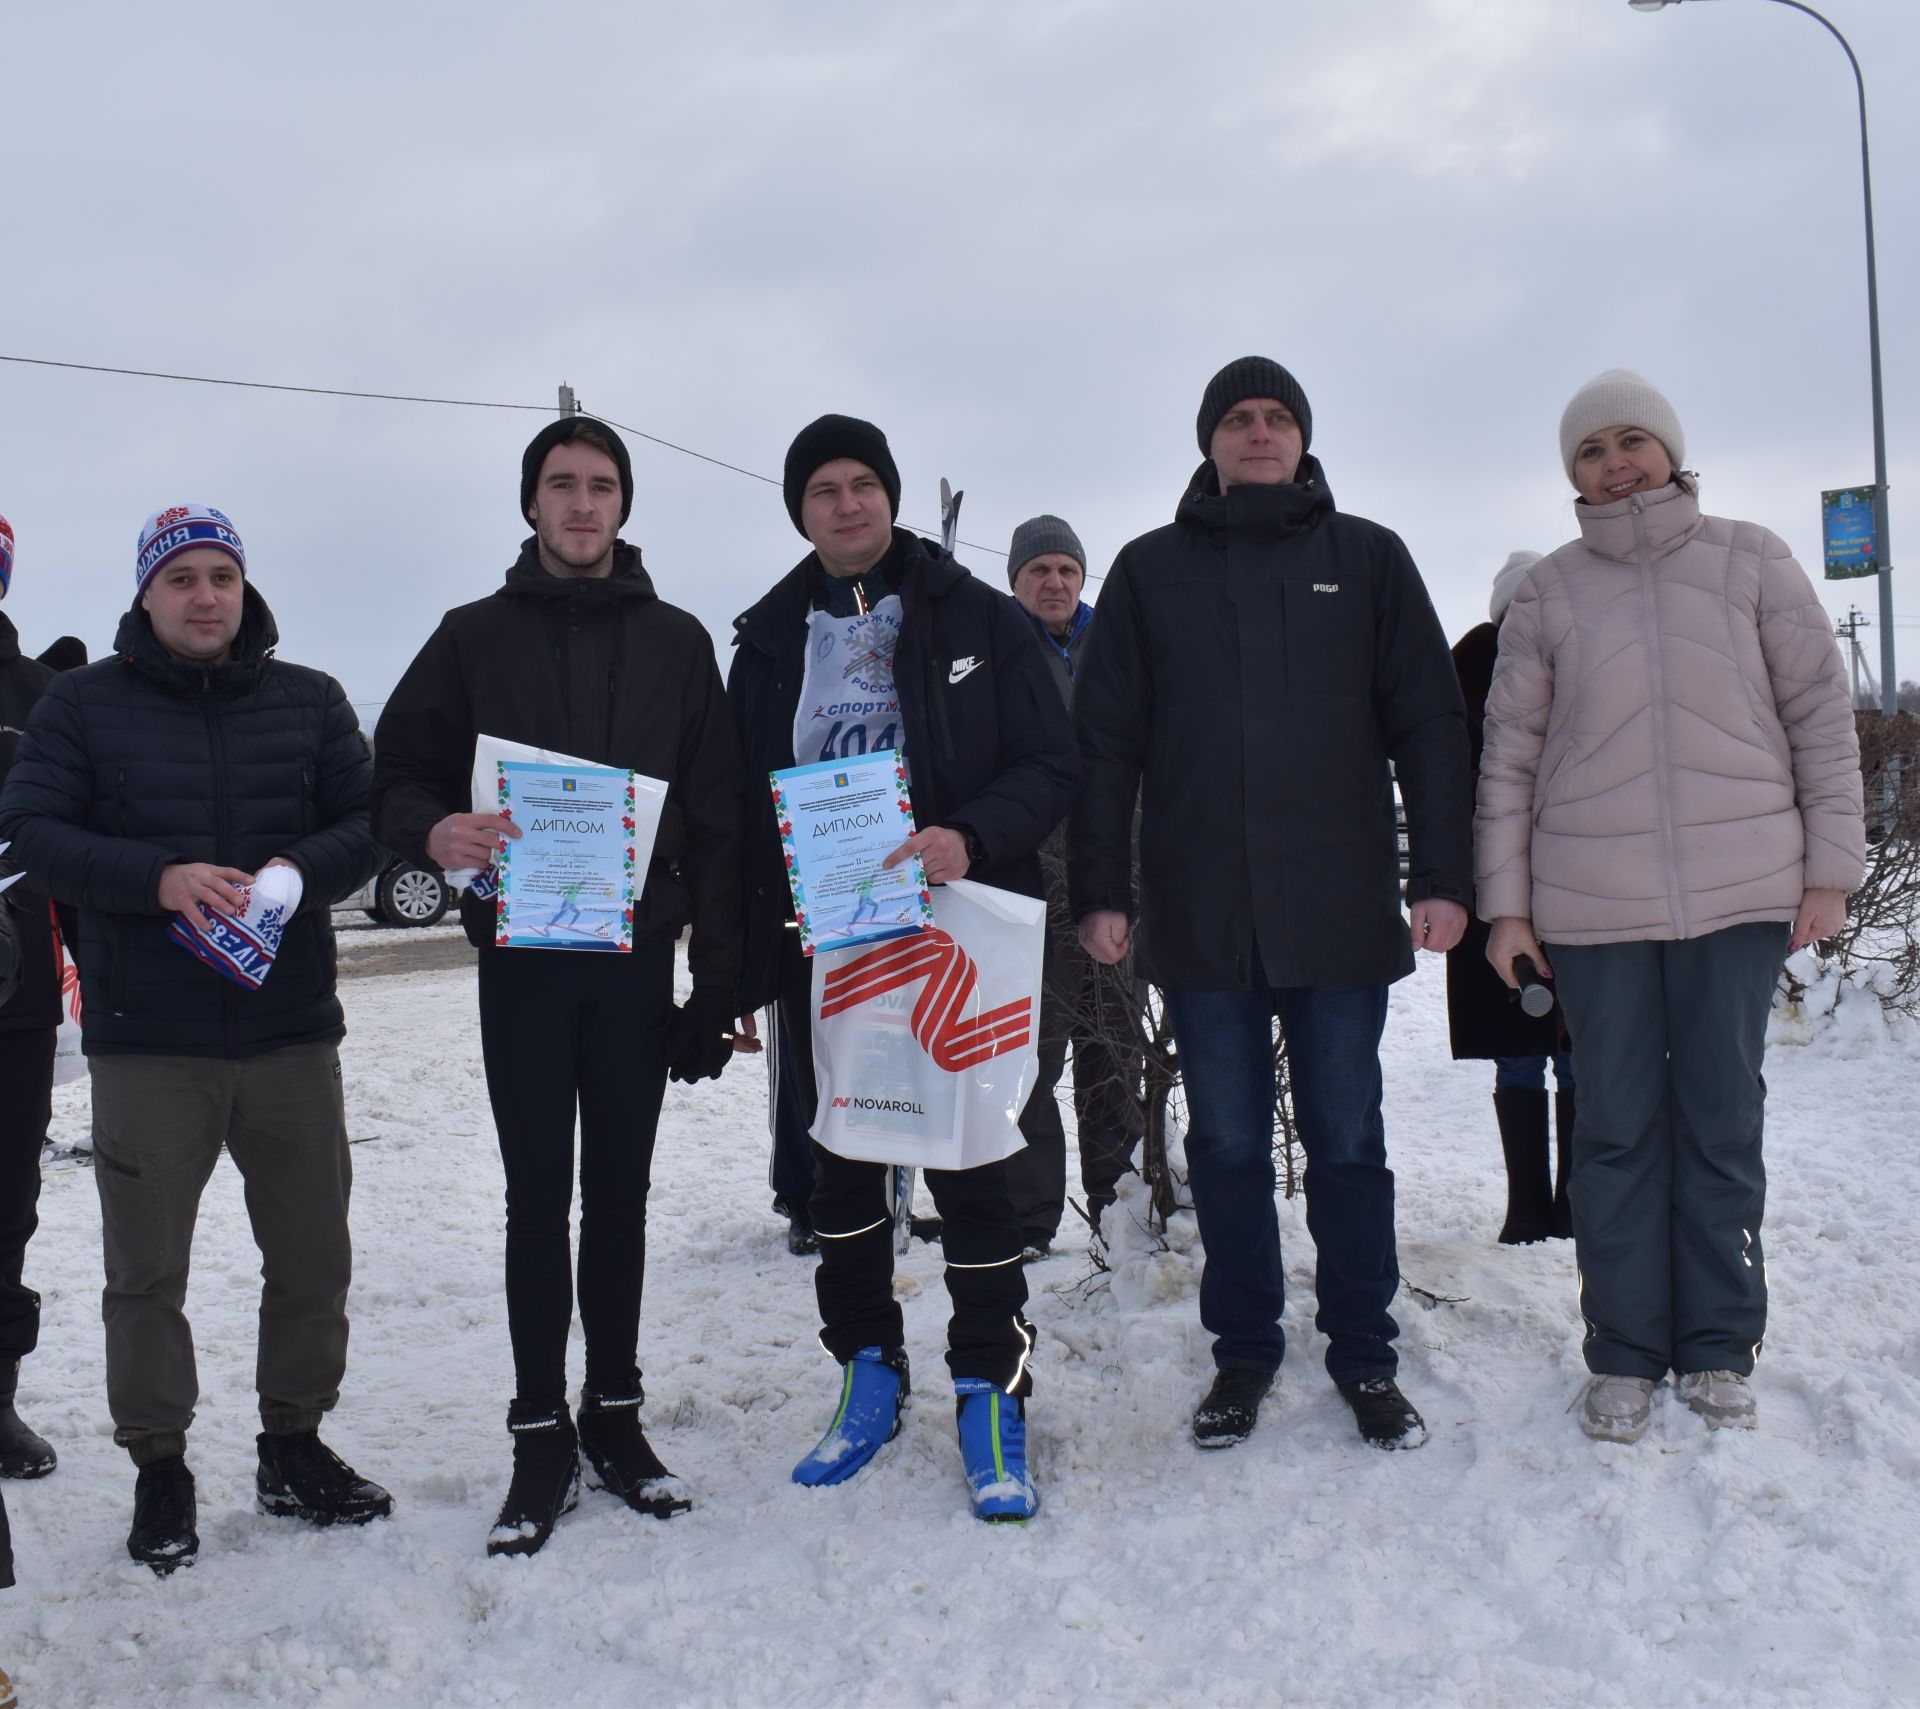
(411, 896)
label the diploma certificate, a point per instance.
(838, 820)
(568, 880)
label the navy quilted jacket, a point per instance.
(139, 761)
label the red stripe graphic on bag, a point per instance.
(941, 1023)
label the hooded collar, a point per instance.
(9, 640)
(925, 572)
(529, 579)
(1262, 512)
(1669, 516)
(252, 646)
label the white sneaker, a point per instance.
(1722, 1398)
(1617, 1409)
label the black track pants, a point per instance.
(569, 1033)
(26, 1105)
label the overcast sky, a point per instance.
(1020, 237)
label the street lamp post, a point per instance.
(1889, 687)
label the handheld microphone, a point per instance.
(1535, 995)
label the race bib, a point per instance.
(848, 702)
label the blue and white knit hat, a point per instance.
(179, 528)
(6, 556)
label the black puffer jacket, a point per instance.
(1265, 666)
(993, 751)
(602, 669)
(139, 761)
(35, 1001)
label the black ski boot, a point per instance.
(163, 1535)
(1523, 1137)
(1231, 1408)
(23, 1453)
(1561, 1216)
(300, 1477)
(621, 1459)
(546, 1481)
(1385, 1416)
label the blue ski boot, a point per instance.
(873, 1389)
(993, 1448)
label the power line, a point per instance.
(271, 386)
(411, 398)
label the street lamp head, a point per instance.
(1652, 5)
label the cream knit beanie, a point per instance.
(1619, 398)
(1507, 583)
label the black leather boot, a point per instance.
(1523, 1138)
(23, 1453)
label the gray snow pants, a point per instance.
(1668, 1185)
(158, 1125)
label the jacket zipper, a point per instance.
(116, 965)
(223, 845)
(938, 703)
(1656, 674)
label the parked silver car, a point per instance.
(403, 894)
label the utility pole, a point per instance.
(568, 404)
(1848, 630)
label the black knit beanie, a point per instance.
(1252, 377)
(563, 432)
(831, 437)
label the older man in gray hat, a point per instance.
(1082, 1002)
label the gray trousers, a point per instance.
(158, 1125)
(1668, 1185)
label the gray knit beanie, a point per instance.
(1507, 583)
(1040, 534)
(1619, 398)
(1251, 377)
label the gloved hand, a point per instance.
(700, 1036)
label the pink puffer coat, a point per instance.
(1669, 744)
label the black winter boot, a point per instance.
(1386, 1417)
(23, 1453)
(1561, 1219)
(163, 1535)
(1231, 1408)
(300, 1477)
(621, 1459)
(1523, 1137)
(546, 1481)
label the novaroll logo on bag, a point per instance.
(940, 1022)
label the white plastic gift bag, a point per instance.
(924, 1047)
(69, 1060)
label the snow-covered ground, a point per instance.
(1510, 1561)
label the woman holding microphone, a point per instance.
(1669, 805)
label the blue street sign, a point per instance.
(1846, 529)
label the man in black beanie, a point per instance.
(953, 678)
(576, 653)
(1266, 667)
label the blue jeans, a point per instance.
(1529, 1073)
(1225, 1041)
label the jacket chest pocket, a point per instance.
(1328, 636)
